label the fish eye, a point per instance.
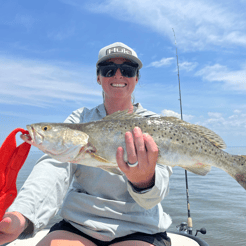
(46, 128)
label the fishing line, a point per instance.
(186, 175)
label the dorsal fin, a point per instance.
(123, 115)
(201, 130)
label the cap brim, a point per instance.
(130, 57)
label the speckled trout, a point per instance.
(192, 147)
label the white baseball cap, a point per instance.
(118, 49)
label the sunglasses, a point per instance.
(127, 69)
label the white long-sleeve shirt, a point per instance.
(101, 204)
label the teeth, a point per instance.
(118, 85)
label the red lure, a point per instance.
(12, 159)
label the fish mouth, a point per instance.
(118, 85)
(31, 131)
(37, 138)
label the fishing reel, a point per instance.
(183, 227)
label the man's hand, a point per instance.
(142, 148)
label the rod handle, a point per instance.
(190, 222)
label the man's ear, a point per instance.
(98, 80)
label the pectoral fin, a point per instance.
(111, 169)
(98, 158)
(199, 168)
(108, 168)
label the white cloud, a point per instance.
(163, 62)
(187, 66)
(235, 122)
(197, 24)
(236, 111)
(214, 115)
(235, 80)
(167, 112)
(43, 84)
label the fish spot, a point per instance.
(182, 141)
(240, 178)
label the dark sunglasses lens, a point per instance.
(128, 71)
(108, 71)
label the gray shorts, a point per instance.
(158, 239)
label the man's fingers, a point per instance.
(152, 149)
(130, 148)
(140, 146)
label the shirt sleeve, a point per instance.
(43, 192)
(148, 199)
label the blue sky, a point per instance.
(48, 52)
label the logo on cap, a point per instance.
(118, 49)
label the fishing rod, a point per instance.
(186, 175)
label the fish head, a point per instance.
(57, 140)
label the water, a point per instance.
(217, 201)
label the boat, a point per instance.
(179, 238)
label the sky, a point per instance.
(49, 49)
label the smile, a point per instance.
(118, 85)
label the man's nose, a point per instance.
(118, 73)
